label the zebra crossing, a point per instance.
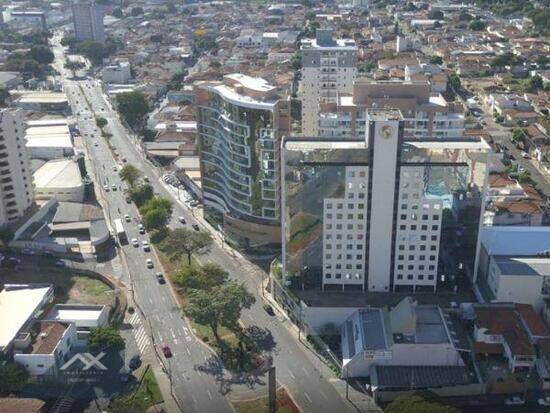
(140, 334)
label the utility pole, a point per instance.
(272, 385)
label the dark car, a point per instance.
(166, 351)
(268, 309)
(196, 227)
(135, 362)
(160, 278)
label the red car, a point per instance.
(166, 351)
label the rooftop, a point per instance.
(420, 376)
(20, 302)
(523, 266)
(58, 173)
(515, 240)
(72, 312)
(48, 334)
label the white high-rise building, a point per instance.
(16, 186)
(328, 68)
(88, 22)
(382, 212)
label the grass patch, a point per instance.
(284, 404)
(304, 229)
(68, 287)
(146, 395)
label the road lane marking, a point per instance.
(308, 398)
(305, 371)
(323, 394)
(209, 394)
(292, 375)
(188, 352)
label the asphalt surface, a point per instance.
(197, 391)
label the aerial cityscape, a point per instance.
(250, 206)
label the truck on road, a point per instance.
(120, 232)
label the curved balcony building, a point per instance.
(241, 121)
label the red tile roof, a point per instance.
(504, 320)
(532, 320)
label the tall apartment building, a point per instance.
(88, 22)
(240, 123)
(16, 186)
(382, 212)
(328, 68)
(426, 114)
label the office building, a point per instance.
(88, 22)
(425, 114)
(240, 122)
(413, 204)
(328, 68)
(16, 187)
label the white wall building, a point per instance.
(16, 187)
(88, 22)
(60, 179)
(328, 68)
(408, 335)
(118, 74)
(46, 348)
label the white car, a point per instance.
(544, 401)
(127, 218)
(149, 263)
(135, 242)
(106, 188)
(27, 251)
(525, 155)
(141, 229)
(514, 401)
(145, 246)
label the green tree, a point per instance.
(186, 241)
(23, 65)
(220, 306)
(42, 54)
(535, 83)
(100, 122)
(148, 135)
(454, 80)
(417, 404)
(141, 194)
(157, 202)
(133, 106)
(136, 11)
(506, 59)
(436, 15)
(155, 219)
(518, 134)
(478, 25)
(4, 95)
(192, 277)
(106, 338)
(13, 377)
(94, 51)
(465, 17)
(436, 60)
(130, 174)
(68, 41)
(117, 12)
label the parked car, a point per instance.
(182, 220)
(544, 401)
(194, 203)
(127, 218)
(268, 309)
(135, 362)
(60, 263)
(135, 242)
(149, 263)
(106, 188)
(525, 155)
(113, 187)
(141, 229)
(196, 227)
(166, 351)
(27, 251)
(514, 401)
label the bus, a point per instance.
(120, 232)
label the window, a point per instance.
(329, 216)
(329, 226)
(410, 267)
(358, 266)
(359, 257)
(328, 236)
(350, 226)
(409, 276)
(329, 206)
(401, 248)
(399, 276)
(338, 275)
(338, 236)
(434, 237)
(338, 226)
(403, 216)
(412, 247)
(400, 267)
(403, 206)
(411, 257)
(424, 217)
(420, 277)
(350, 206)
(422, 248)
(436, 216)
(328, 275)
(401, 257)
(413, 227)
(432, 257)
(430, 277)
(424, 227)
(339, 216)
(431, 267)
(359, 246)
(433, 248)
(360, 216)
(402, 227)
(339, 206)
(435, 227)
(421, 267)
(328, 256)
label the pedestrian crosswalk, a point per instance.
(140, 334)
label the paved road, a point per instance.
(196, 391)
